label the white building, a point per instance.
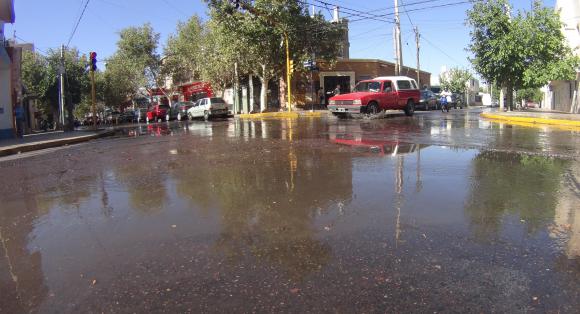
(563, 95)
(6, 120)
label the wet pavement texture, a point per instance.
(435, 213)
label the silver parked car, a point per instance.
(208, 108)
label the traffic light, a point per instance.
(93, 61)
(291, 70)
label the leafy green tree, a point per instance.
(184, 52)
(520, 51)
(35, 75)
(135, 64)
(258, 30)
(455, 80)
(531, 94)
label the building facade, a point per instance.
(563, 95)
(6, 94)
(346, 73)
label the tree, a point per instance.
(35, 75)
(455, 80)
(526, 50)
(184, 52)
(135, 64)
(257, 31)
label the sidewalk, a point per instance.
(39, 141)
(538, 117)
(285, 114)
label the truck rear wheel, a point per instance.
(410, 108)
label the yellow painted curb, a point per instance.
(282, 115)
(555, 122)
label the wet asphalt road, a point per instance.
(436, 213)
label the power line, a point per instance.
(365, 16)
(441, 50)
(77, 23)
(421, 9)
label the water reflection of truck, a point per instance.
(379, 147)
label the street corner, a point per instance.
(569, 123)
(283, 115)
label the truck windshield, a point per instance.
(373, 87)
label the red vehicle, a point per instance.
(376, 95)
(157, 112)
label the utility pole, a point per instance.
(417, 39)
(398, 43)
(61, 88)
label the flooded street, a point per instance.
(436, 213)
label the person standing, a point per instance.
(321, 97)
(336, 90)
(19, 116)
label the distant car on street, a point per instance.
(157, 113)
(179, 110)
(208, 108)
(128, 116)
(428, 101)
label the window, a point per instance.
(402, 85)
(373, 87)
(414, 85)
(387, 87)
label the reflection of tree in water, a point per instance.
(145, 184)
(268, 207)
(520, 185)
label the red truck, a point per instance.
(157, 112)
(376, 95)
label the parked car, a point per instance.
(376, 95)
(128, 116)
(179, 110)
(141, 114)
(157, 113)
(457, 101)
(208, 108)
(112, 117)
(428, 100)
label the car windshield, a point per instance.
(217, 100)
(163, 106)
(373, 87)
(436, 90)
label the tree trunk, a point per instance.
(250, 104)
(264, 89)
(510, 96)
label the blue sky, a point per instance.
(48, 24)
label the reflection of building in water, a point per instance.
(567, 218)
(22, 287)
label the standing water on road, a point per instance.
(397, 215)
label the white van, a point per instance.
(208, 108)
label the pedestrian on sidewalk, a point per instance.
(19, 116)
(321, 98)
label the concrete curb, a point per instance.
(530, 120)
(282, 115)
(28, 147)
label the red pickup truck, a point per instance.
(376, 95)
